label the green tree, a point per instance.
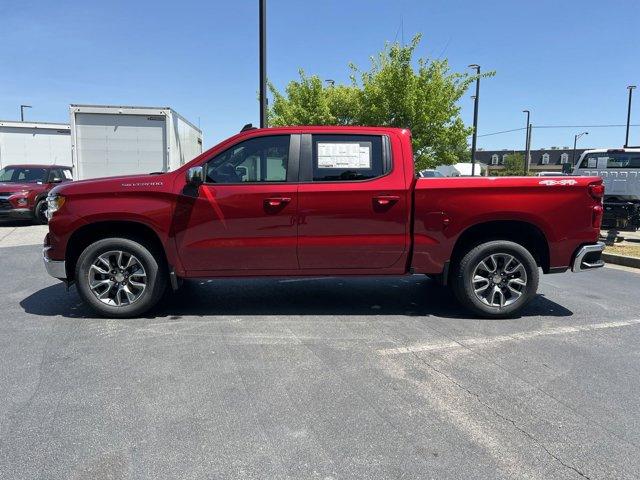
(393, 92)
(513, 166)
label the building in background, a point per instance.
(34, 143)
(540, 160)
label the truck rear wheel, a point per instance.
(496, 279)
(120, 277)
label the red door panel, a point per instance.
(239, 227)
(346, 228)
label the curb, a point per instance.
(632, 262)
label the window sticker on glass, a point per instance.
(592, 162)
(602, 162)
(344, 155)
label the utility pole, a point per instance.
(263, 63)
(526, 143)
(575, 141)
(527, 153)
(22, 107)
(626, 138)
(475, 119)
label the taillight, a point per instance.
(596, 191)
(596, 218)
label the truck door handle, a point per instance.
(385, 200)
(276, 201)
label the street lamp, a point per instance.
(575, 141)
(526, 143)
(22, 107)
(330, 82)
(263, 63)
(626, 138)
(474, 139)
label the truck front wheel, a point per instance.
(496, 279)
(120, 277)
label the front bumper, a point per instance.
(16, 213)
(55, 268)
(588, 257)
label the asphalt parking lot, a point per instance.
(317, 378)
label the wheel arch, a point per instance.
(89, 233)
(525, 233)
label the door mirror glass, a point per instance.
(567, 168)
(195, 176)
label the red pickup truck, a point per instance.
(319, 201)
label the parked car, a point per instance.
(24, 189)
(429, 173)
(314, 201)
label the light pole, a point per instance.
(526, 143)
(474, 139)
(575, 141)
(263, 63)
(22, 107)
(626, 138)
(330, 82)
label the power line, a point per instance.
(583, 126)
(557, 126)
(503, 131)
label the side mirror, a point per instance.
(56, 180)
(195, 176)
(567, 168)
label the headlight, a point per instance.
(54, 203)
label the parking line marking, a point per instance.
(481, 341)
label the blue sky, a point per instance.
(567, 61)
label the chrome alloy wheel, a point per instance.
(499, 280)
(117, 278)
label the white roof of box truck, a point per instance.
(47, 125)
(129, 109)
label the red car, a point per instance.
(319, 201)
(24, 189)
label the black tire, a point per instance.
(151, 262)
(464, 288)
(39, 212)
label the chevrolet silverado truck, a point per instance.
(24, 189)
(314, 201)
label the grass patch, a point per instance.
(626, 249)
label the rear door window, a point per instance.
(344, 158)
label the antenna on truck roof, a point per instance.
(248, 126)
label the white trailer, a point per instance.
(111, 140)
(461, 169)
(34, 143)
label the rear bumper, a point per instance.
(55, 268)
(588, 257)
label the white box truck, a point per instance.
(39, 143)
(111, 140)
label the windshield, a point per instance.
(22, 175)
(611, 160)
